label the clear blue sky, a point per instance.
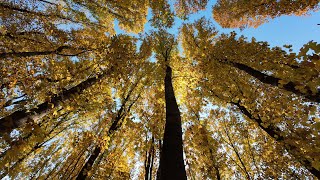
(294, 30)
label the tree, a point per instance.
(127, 102)
(171, 158)
(241, 13)
(205, 42)
(57, 40)
(20, 117)
(80, 101)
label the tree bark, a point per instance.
(171, 159)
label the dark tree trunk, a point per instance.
(57, 51)
(21, 117)
(149, 161)
(274, 81)
(160, 152)
(275, 133)
(151, 165)
(88, 166)
(116, 124)
(171, 159)
(218, 176)
(83, 174)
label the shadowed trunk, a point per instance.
(171, 159)
(149, 161)
(21, 117)
(117, 123)
(274, 81)
(83, 174)
(57, 51)
(151, 165)
(275, 133)
(160, 151)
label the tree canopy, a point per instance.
(79, 100)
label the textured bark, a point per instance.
(171, 160)
(275, 133)
(274, 81)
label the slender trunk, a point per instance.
(83, 174)
(274, 81)
(57, 51)
(252, 155)
(21, 117)
(237, 154)
(53, 170)
(218, 175)
(160, 152)
(211, 154)
(151, 165)
(21, 159)
(171, 159)
(88, 166)
(149, 162)
(275, 133)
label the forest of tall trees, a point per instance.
(88, 92)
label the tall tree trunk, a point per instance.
(274, 81)
(57, 51)
(21, 117)
(171, 159)
(275, 133)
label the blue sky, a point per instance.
(293, 30)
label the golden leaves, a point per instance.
(240, 14)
